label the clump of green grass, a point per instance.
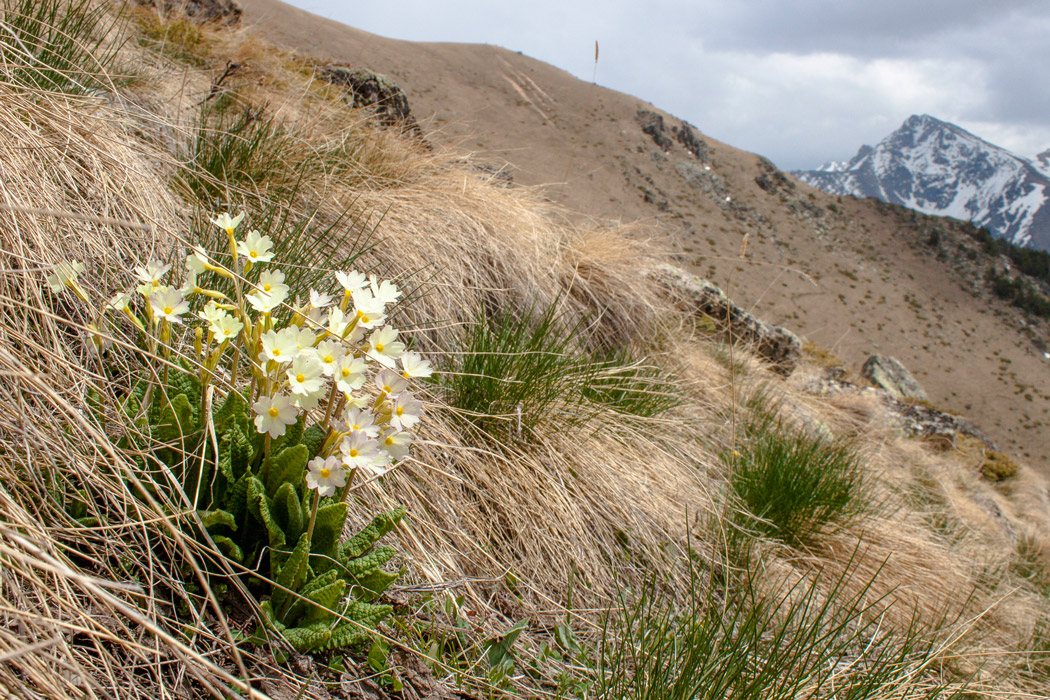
(518, 371)
(627, 385)
(58, 45)
(176, 38)
(793, 484)
(805, 640)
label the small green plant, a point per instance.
(807, 640)
(261, 476)
(998, 466)
(516, 370)
(58, 45)
(176, 37)
(792, 484)
(627, 385)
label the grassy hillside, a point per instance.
(606, 497)
(849, 275)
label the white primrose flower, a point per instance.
(361, 401)
(350, 374)
(396, 443)
(150, 275)
(414, 366)
(226, 328)
(406, 411)
(384, 347)
(305, 339)
(325, 475)
(358, 420)
(337, 322)
(367, 309)
(197, 261)
(65, 273)
(274, 414)
(121, 301)
(358, 450)
(280, 346)
(319, 300)
(352, 281)
(228, 224)
(265, 303)
(169, 305)
(385, 291)
(330, 352)
(256, 247)
(307, 402)
(272, 282)
(211, 313)
(390, 382)
(306, 376)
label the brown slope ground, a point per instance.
(849, 275)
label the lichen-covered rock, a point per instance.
(778, 345)
(653, 125)
(365, 88)
(225, 13)
(887, 372)
(928, 422)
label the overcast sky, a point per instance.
(798, 81)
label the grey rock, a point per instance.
(365, 88)
(225, 13)
(928, 422)
(779, 346)
(653, 125)
(888, 373)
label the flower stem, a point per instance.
(313, 516)
(345, 491)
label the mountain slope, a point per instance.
(854, 276)
(938, 168)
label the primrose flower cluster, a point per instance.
(335, 354)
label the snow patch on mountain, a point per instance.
(939, 168)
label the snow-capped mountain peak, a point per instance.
(940, 168)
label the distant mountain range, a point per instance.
(939, 168)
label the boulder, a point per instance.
(365, 88)
(934, 424)
(653, 125)
(777, 345)
(887, 372)
(224, 13)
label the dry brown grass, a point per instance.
(85, 614)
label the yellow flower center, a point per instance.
(274, 413)
(406, 375)
(253, 254)
(399, 411)
(276, 352)
(156, 283)
(345, 373)
(364, 319)
(353, 452)
(389, 441)
(168, 310)
(387, 389)
(266, 287)
(328, 359)
(379, 347)
(300, 378)
(325, 473)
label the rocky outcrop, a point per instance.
(368, 89)
(224, 13)
(779, 346)
(932, 423)
(887, 372)
(653, 125)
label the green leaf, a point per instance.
(367, 614)
(228, 547)
(236, 498)
(313, 438)
(288, 512)
(291, 576)
(375, 583)
(499, 649)
(328, 528)
(233, 405)
(286, 467)
(346, 634)
(323, 602)
(217, 518)
(259, 505)
(306, 639)
(363, 541)
(293, 435)
(175, 419)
